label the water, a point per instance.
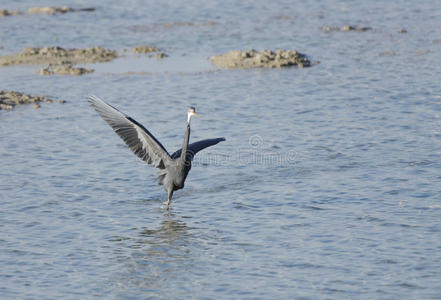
(328, 185)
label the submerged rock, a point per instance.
(64, 68)
(237, 59)
(9, 99)
(345, 28)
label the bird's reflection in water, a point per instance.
(158, 256)
(167, 233)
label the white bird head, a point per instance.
(191, 112)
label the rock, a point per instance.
(48, 55)
(161, 55)
(9, 99)
(363, 28)
(5, 106)
(144, 49)
(64, 68)
(6, 12)
(60, 60)
(345, 28)
(237, 59)
(51, 10)
(149, 50)
(402, 30)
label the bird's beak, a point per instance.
(195, 114)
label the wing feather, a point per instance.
(136, 136)
(195, 147)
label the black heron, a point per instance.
(173, 169)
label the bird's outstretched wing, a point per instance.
(195, 147)
(137, 138)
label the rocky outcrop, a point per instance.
(265, 59)
(9, 99)
(54, 55)
(60, 60)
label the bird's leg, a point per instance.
(170, 195)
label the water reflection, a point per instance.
(158, 256)
(170, 230)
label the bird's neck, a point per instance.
(185, 145)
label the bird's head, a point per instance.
(191, 112)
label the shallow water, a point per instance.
(328, 185)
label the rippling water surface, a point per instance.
(328, 186)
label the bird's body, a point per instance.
(173, 169)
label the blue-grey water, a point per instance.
(328, 186)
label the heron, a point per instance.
(173, 169)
